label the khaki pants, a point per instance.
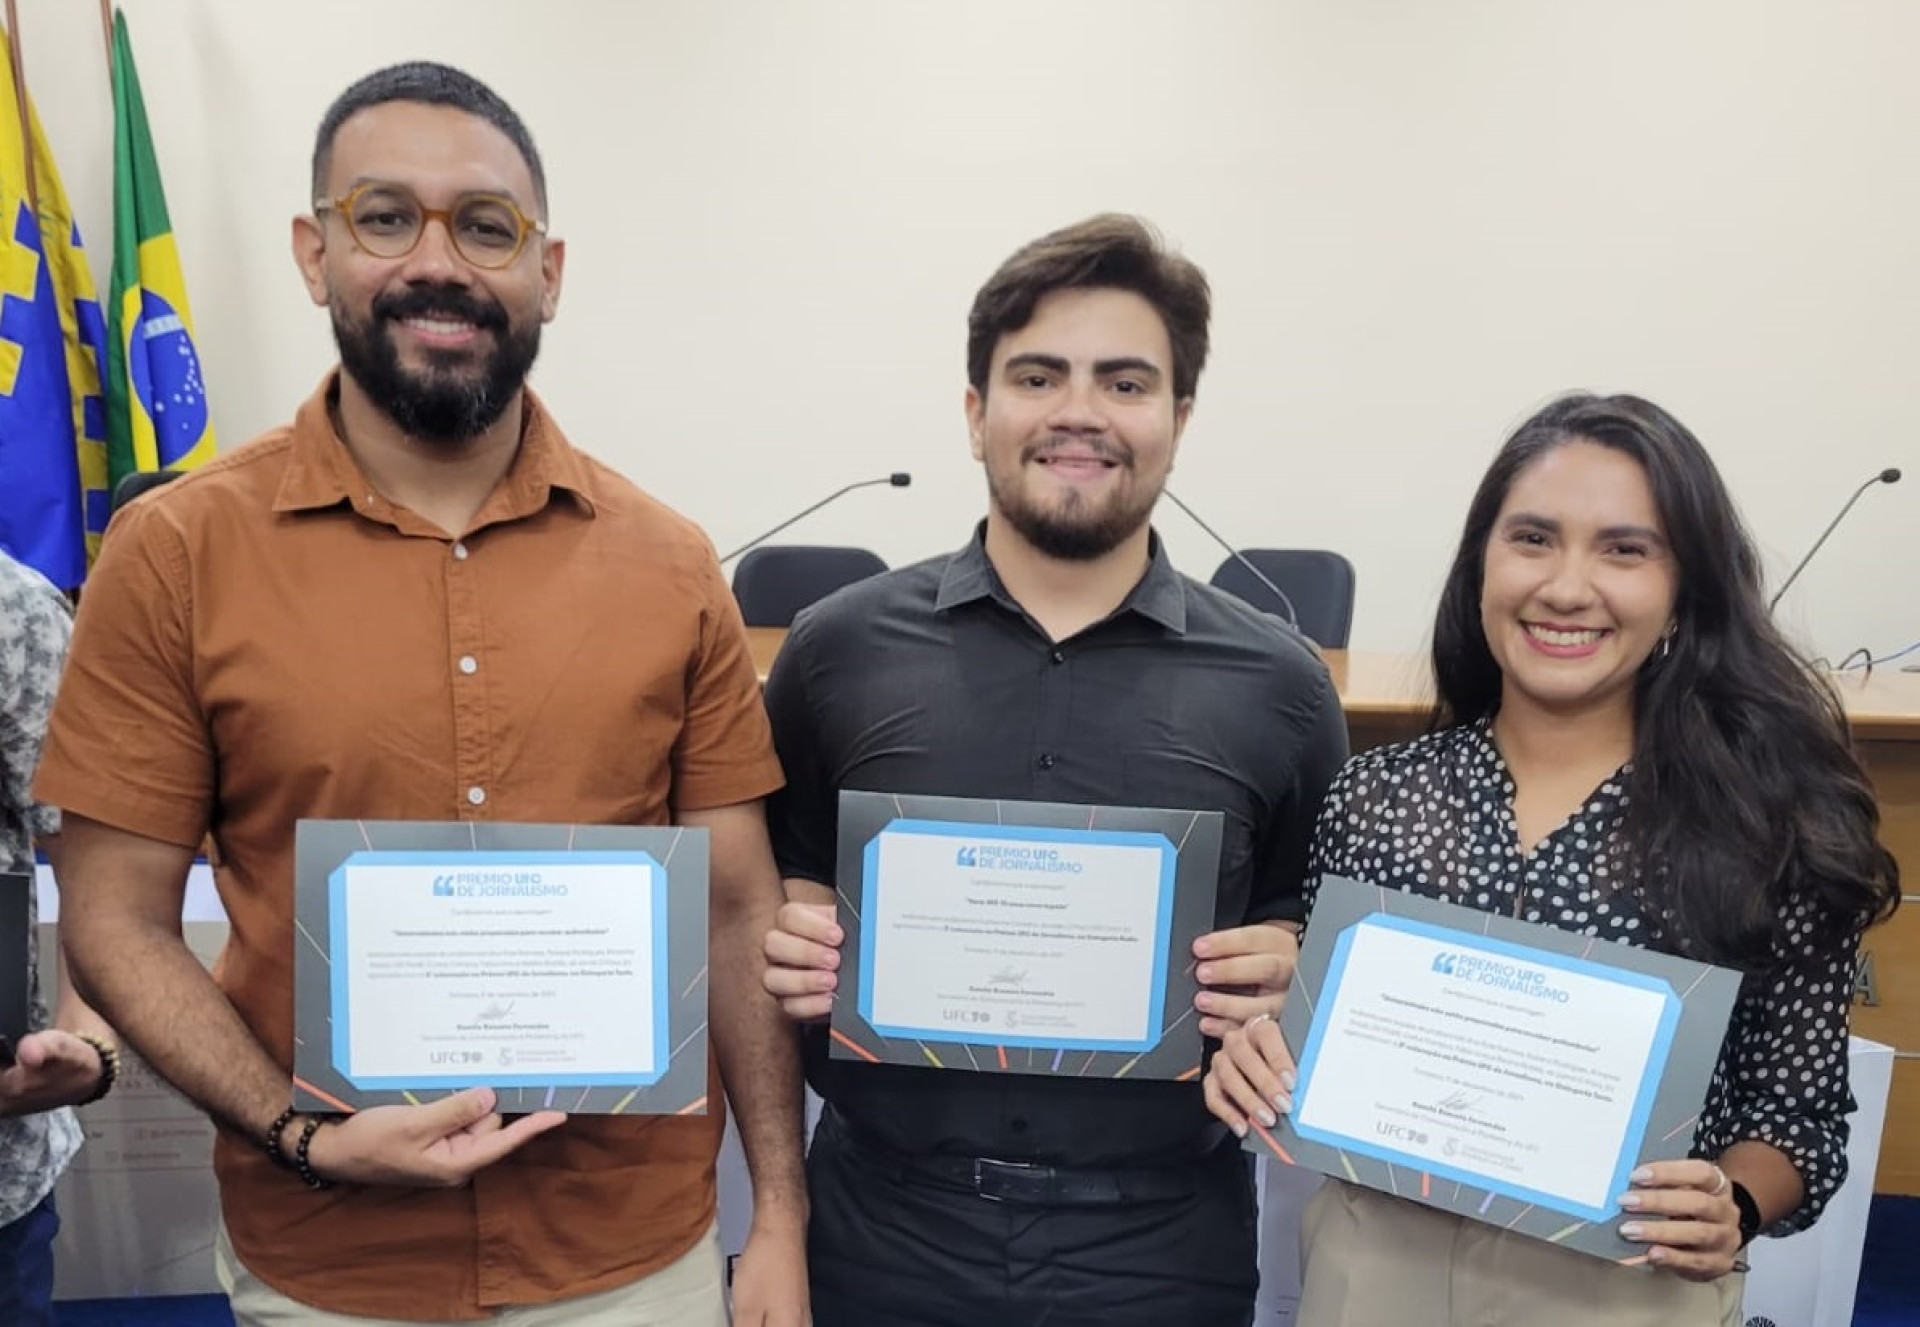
(688, 1292)
(1372, 1260)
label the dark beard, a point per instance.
(1074, 540)
(451, 401)
(1071, 533)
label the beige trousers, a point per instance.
(1372, 1260)
(688, 1292)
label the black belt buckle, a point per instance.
(999, 1181)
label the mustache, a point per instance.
(1103, 449)
(440, 301)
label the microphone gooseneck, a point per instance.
(1293, 618)
(898, 479)
(1891, 475)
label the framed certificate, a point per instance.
(1503, 1070)
(1022, 937)
(563, 965)
(16, 986)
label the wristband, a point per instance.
(109, 1067)
(1749, 1213)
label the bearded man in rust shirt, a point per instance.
(420, 602)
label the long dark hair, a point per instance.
(1745, 797)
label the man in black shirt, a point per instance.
(1058, 657)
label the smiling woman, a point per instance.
(1627, 749)
(1578, 584)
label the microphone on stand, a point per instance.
(1887, 476)
(898, 479)
(1293, 618)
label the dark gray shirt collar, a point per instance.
(1159, 596)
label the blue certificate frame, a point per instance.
(1032, 1006)
(448, 869)
(563, 1049)
(1516, 962)
(971, 838)
(1536, 960)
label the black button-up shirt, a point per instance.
(932, 680)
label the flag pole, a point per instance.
(106, 34)
(20, 105)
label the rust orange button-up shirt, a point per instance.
(269, 639)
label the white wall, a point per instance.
(1420, 219)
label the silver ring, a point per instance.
(1247, 1026)
(1721, 1187)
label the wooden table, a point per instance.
(1387, 698)
(1885, 713)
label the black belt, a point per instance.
(1026, 1182)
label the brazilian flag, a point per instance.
(156, 395)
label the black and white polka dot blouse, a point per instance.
(1434, 817)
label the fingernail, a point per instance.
(1644, 1175)
(1287, 1080)
(1203, 973)
(1239, 1130)
(1283, 1103)
(1267, 1118)
(1630, 1201)
(1631, 1229)
(1656, 1255)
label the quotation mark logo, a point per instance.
(443, 886)
(967, 857)
(1444, 963)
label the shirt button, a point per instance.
(460, 551)
(476, 794)
(1058, 656)
(469, 665)
(1046, 761)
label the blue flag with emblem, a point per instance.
(53, 435)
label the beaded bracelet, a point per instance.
(109, 1067)
(272, 1142)
(301, 1166)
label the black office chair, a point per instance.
(774, 582)
(133, 484)
(1319, 582)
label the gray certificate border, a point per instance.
(321, 845)
(1706, 994)
(1197, 838)
(16, 954)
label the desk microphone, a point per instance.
(1293, 618)
(1887, 476)
(898, 479)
